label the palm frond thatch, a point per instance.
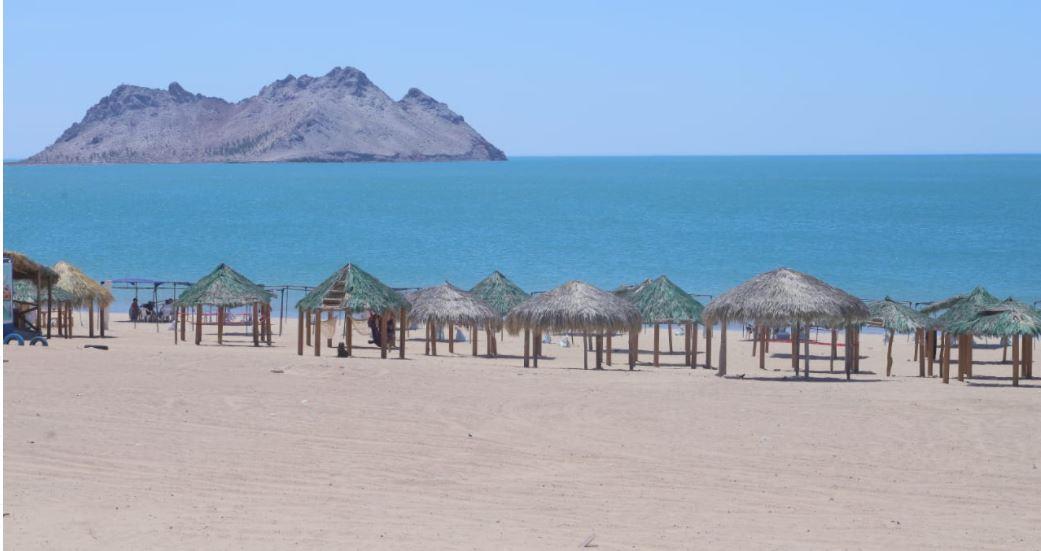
(898, 317)
(784, 296)
(82, 290)
(1006, 319)
(224, 287)
(626, 290)
(25, 291)
(499, 292)
(660, 300)
(23, 267)
(353, 289)
(574, 306)
(977, 297)
(966, 307)
(445, 304)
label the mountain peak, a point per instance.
(416, 99)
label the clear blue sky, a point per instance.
(573, 78)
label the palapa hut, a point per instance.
(783, 298)
(43, 278)
(447, 305)
(83, 292)
(897, 317)
(225, 288)
(662, 301)
(956, 309)
(574, 306)
(1009, 319)
(351, 289)
(502, 294)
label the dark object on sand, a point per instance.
(98, 346)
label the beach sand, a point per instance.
(151, 445)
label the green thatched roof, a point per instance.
(499, 292)
(898, 316)
(1007, 319)
(224, 287)
(962, 308)
(661, 300)
(351, 288)
(25, 291)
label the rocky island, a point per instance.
(338, 117)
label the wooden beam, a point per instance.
(90, 318)
(256, 326)
(693, 345)
(889, 353)
(220, 325)
(198, 325)
(307, 327)
(527, 338)
(50, 306)
(599, 351)
(930, 345)
(317, 332)
(184, 320)
(1015, 360)
(403, 327)
(451, 338)
(945, 358)
(384, 335)
(722, 348)
(657, 330)
(708, 346)
(536, 343)
(473, 340)
(300, 332)
(608, 348)
(762, 336)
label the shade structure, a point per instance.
(447, 305)
(26, 291)
(351, 289)
(79, 287)
(1009, 320)
(662, 301)
(355, 290)
(785, 297)
(498, 292)
(574, 306)
(23, 267)
(961, 308)
(897, 317)
(225, 288)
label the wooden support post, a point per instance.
(657, 330)
(708, 346)
(848, 350)
(198, 325)
(1015, 360)
(608, 350)
(856, 349)
(969, 343)
(536, 346)
(795, 348)
(1028, 356)
(669, 328)
(451, 338)
(71, 322)
(945, 359)
(270, 324)
(930, 345)
(90, 318)
(403, 327)
(384, 335)
(634, 333)
(473, 340)
(175, 320)
(307, 328)
(722, 348)
(527, 343)
(317, 332)
(806, 354)
(184, 320)
(686, 344)
(329, 338)
(693, 345)
(50, 306)
(256, 326)
(763, 332)
(300, 322)
(599, 351)
(920, 351)
(834, 349)
(220, 325)
(889, 353)
(433, 340)
(101, 321)
(585, 350)
(348, 320)
(962, 358)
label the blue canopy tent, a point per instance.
(137, 284)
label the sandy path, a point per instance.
(151, 445)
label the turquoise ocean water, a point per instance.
(914, 227)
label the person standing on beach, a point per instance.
(390, 330)
(374, 326)
(135, 310)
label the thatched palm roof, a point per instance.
(784, 296)
(351, 288)
(80, 287)
(626, 291)
(898, 316)
(1007, 319)
(574, 306)
(499, 292)
(661, 300)
(25, 291)
(447, 304)
(224, 287)
(962, 308)
(23, 267)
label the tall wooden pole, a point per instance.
(1028, 356)
(693, 345)
(451, 338)
(856, 349)
(795, 348)
(307, 327)
(657, 329)
(527, 342)
(930, 345)
(348, 322)
(220, 325)
(920, 351)
(433, 340)
(184, 320)
(722, 348)
(599, 351)
(384, 335)
(403, 316)
(1015, 361)
(198, 325)
(708, 346)
(945, 358)
(834, 348)
(50, 306)
(101, 320)
(889, 353)
(762, 332)
(536, 345)
(473, 340)
(256, 326)
(175, 332)
(300, 332)
(969, 342)
(317, 332)
(71, 322)
(90, 318)
(669, 328)
(686, 344)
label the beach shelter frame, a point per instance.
(25, 268)
(224, 288)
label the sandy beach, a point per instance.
(152, 445)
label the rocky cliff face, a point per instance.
(339, 117)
